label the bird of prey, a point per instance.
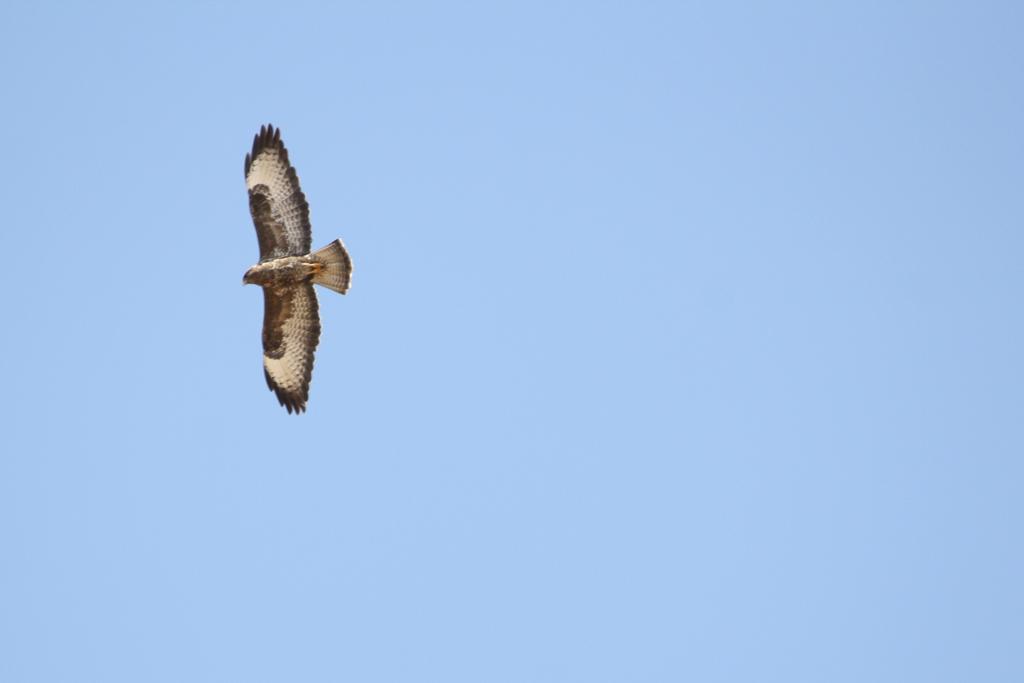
(287, 270)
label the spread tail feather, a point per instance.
(335, 270)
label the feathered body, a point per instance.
(287, 270)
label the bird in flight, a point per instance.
(287, 270)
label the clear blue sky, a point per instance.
(684, 344)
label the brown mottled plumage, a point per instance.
(287, 270)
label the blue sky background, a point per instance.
(684, 343)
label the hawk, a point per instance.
(287, 270)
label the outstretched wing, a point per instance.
(278, 207)
(291, 330)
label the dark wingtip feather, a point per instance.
(293, 404)
(268, 137)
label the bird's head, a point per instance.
(247, 279)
